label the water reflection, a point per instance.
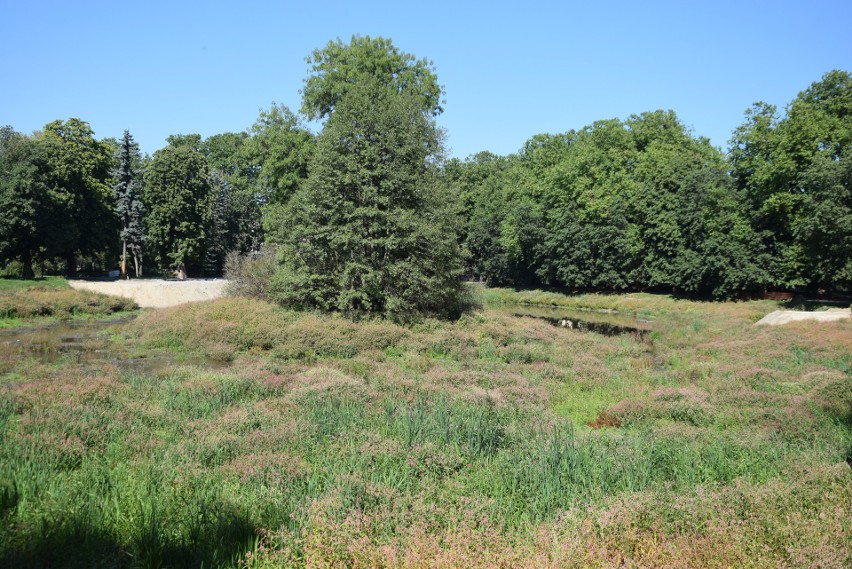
(606, 323)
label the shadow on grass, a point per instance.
(79, 543)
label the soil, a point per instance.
(157, 293)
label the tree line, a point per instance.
(370, 216)
(644, 204)
(69, 199)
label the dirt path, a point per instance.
(157, 293)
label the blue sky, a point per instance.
(510, 70)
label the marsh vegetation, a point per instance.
(495, 440)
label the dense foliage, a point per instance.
(370, 231)
(338, 67)
(176, 192)
(635, 204)
(618, 205)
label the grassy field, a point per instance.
(494, 441)
(12, 283)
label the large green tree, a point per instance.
(633, 204)
(24, 207)
(823, 231)
(338, 67)
(280, 147)
(77, 177)
(778, 161)
(372, 231)
(235, 203)
(177, 200)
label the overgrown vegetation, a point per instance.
(36, 302)
(371, 231)
(330, 442)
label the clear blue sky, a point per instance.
(511, 70)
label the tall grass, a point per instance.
(333, 443)
(22, 306)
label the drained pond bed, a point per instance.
(269, 438)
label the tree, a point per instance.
(773, 160)
(474, 182)
(280, 147)
(372, 231)
(77, 173)
(337, 67)
(667, 156)
(218, 240)
(823, 231)
(24, 209)
(235, 198)
(719, 253)
(176, 193)
(128, 202)
(592, 239)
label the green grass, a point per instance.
(13, 283)
(332, 443)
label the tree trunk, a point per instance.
(71, 265)
(123, 275)
(27, 262)
(137, 264)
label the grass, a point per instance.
(493, 441)
(14, 283)
(38, 302)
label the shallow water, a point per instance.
(606, 323)
(91, 342)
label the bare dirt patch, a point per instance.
(157, 293)
(780, 317)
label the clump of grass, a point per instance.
(246, 325)
(651, 305)
(59, 303)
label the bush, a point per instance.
(249, 275)
(60, 303)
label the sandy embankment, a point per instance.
(780, 317)
(157, 293)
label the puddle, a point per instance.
(86, 342)
(608, 324)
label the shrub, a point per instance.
(249, 275)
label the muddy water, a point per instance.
(606, 323)
(90, 342)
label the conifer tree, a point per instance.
(372, 230)
(128, 203)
